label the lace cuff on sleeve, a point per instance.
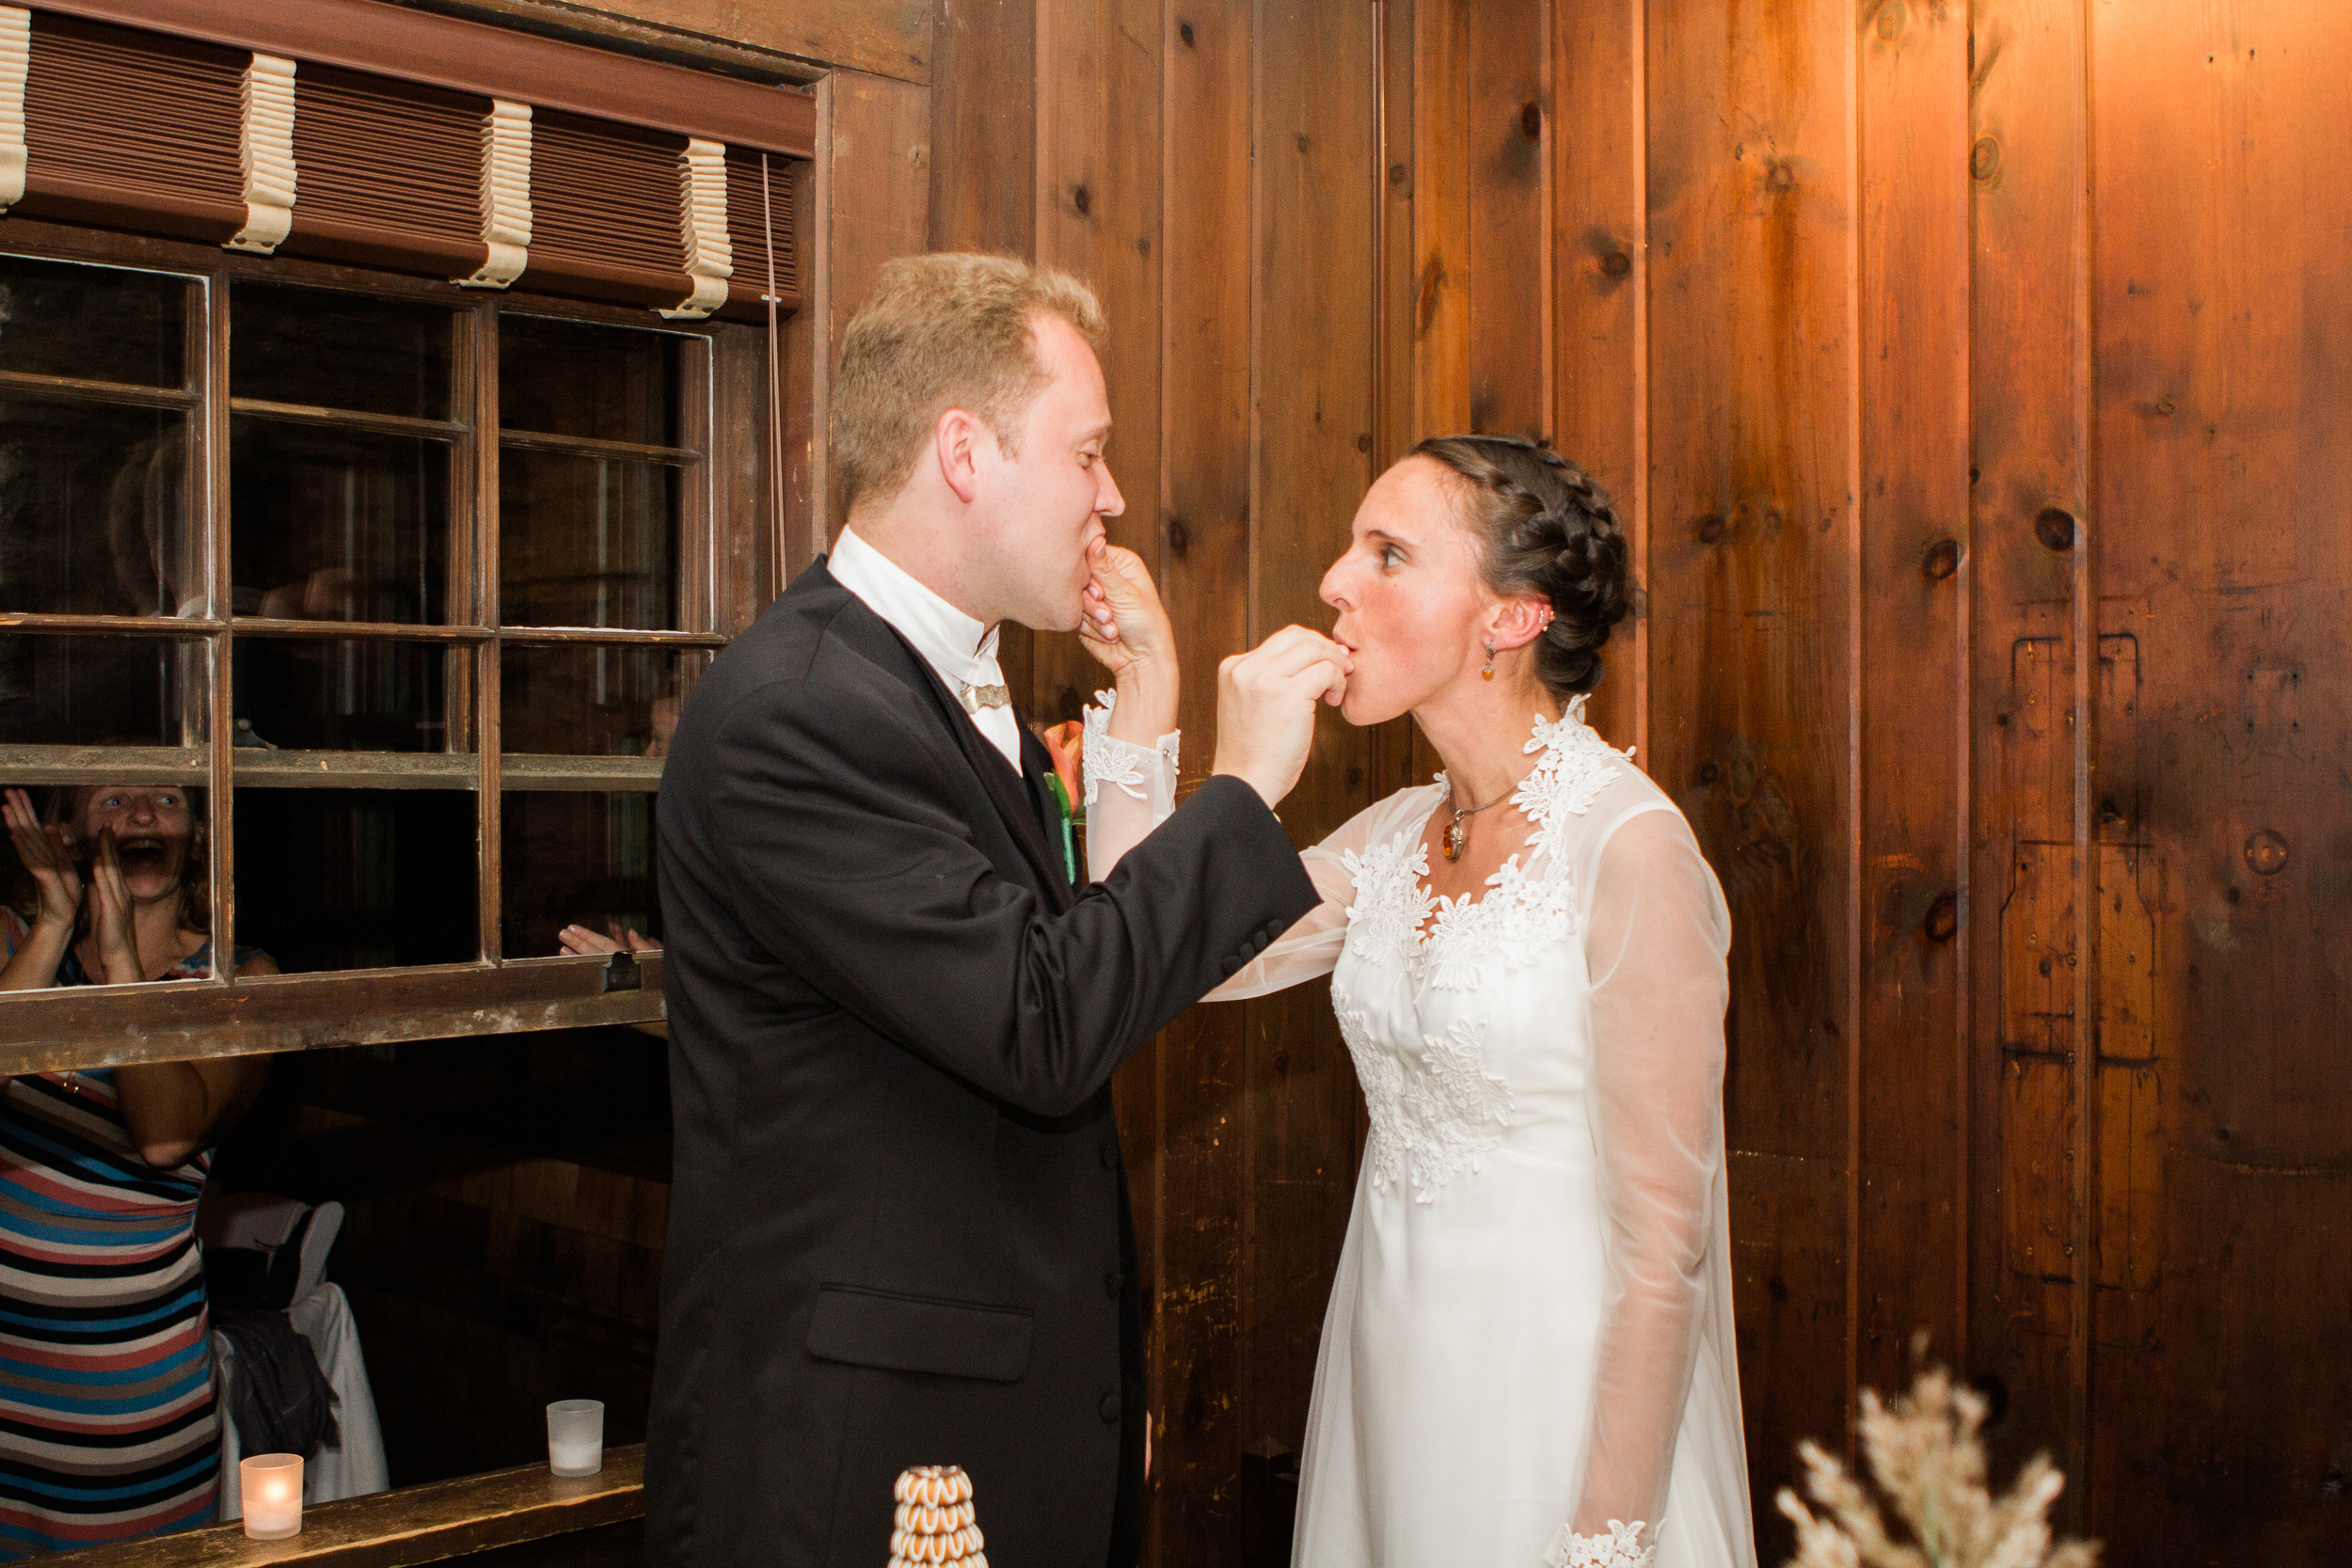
(1143, 774)
(1620, 1549)
(1143, 792)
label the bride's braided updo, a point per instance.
(1543, 531)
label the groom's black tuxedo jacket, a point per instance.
(898, 1229)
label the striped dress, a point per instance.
(107, 1424)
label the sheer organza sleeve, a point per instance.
(1654, 940)
(1311, 948)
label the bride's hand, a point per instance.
(1123, 624)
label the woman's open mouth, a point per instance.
(144, 854)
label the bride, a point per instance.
(1528, 1356)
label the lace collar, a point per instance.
(1527, 902)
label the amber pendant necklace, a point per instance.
(1458, 833)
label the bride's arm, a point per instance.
(1655, 945)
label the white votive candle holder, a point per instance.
(271, 1484)
(575, 1436)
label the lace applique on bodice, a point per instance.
(1430, 1095)
(1522, 909)
(1445, 1109)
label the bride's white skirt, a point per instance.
(1453, 1395)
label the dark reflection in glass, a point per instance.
(587, 542)
(575, 860)
(593, 701)
(329, 350)
(94, 323)
(357, 878)
(94, 517)
(337, 525)
(341, 696)
(604, 383)
(102, 691)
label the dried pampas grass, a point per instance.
(1925, 1455)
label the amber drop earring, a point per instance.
(1489, 672)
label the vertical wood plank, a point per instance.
(983, 169)
(1098, 217)
(1508, 258)
(1913, 84)
(1314, 374)
(1441, 219)
(2221, 310)
(873, 183)
(2027, 163)
(1600, 278)
(1754, 559)
(1203, 559)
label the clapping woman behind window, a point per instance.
(107, 1424)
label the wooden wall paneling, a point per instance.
(1195, 1270)
(794, 543)
(1598, 346)
(983, 166)
(1441, 216)
(1098, 217)
(1754, 562)
(1394, 761)
(2028, 531)
(984, 111)
(1911, 1243)
(1312, 376)
(1510, 131)
(2219, 1411)
(873, 192)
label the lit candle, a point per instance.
(575, 1436)
(272, 1486)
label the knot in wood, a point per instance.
(2265, 852)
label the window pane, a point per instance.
(357, 878)
(587, 541)
(156, 820)
(96, 324)
(593, 701)
(97, 733)
(329, 350)
(337, 525)
(604, 383)
(101, 692)
(294, 694)
(94, 517)
(576, 860)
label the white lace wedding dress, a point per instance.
(1528, 1356)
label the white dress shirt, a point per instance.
(960, 648)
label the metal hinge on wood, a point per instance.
(622, 974)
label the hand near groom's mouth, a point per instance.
(1123, 622)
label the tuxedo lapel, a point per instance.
(1008, 791)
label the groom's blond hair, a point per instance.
(944, 331)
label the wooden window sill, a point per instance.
(420, 1524)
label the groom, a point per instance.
(898, 1229)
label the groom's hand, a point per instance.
(1266, 707)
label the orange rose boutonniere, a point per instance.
(1066, 745)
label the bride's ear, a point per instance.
(1517, 623)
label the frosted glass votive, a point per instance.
(575, 1436)
(271, 1488)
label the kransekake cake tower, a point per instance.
(935, 1523)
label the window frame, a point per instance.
(731, 554)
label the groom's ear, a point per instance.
(955, 442)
